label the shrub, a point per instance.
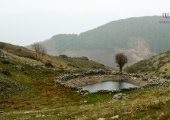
(2, 45)
(39, 49)
(130, 70)
(84, 58)
(5, 62)
(6, 72)
(166, 77)
(31, 57)
(163, 72)
(19, 49)
(71, 65)
(49, 64)
(63, 56)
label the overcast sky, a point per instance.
(23, 22)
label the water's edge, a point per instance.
(108, 85)
(138, 80)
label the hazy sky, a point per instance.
(25, 21)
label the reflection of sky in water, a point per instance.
(109, 85)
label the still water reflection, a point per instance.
(109, 85)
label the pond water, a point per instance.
(108, 85)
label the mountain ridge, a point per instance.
(138, 37)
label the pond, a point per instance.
(108, 85)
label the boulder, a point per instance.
(115, 117)
(3, 54)
(119, 96)
(18, 67)
(101, 119)
(1, 112)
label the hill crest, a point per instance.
(138, 38)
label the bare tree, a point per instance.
(43, 51)
(39, 49)
(36, 47)
(121, 60)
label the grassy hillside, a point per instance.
(139, 38)
(157, 65)
(27, 91)
(55, 102)
(25, 55)
(20, 67)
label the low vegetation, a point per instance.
(17, 67)
(158, 65)
(29, 91)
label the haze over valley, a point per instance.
(139, 38)
(84, 60)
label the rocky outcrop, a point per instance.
(76, 81)
(19, 67)
(2, 54)
(77, 75)
(119, 96)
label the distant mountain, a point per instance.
(138, 38)
(158, 65)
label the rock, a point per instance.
(100, 71)
(103, 91)
(126, 113)
(38, 115)
(101, 119)
(3, 54)
(115, 117)
(119, 96)
(18, 67)
(86, 93)
(1, 112)
(80, 90)
(78, 75)
(26, 112)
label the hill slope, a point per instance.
(157, 65)
(137, 37)
(20, 67)
(27, 91)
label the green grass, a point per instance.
(49, 100)
(155, 66)
(45, 100)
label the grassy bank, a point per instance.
(28, 91)
(56, 102)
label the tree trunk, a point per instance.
(120, 69)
